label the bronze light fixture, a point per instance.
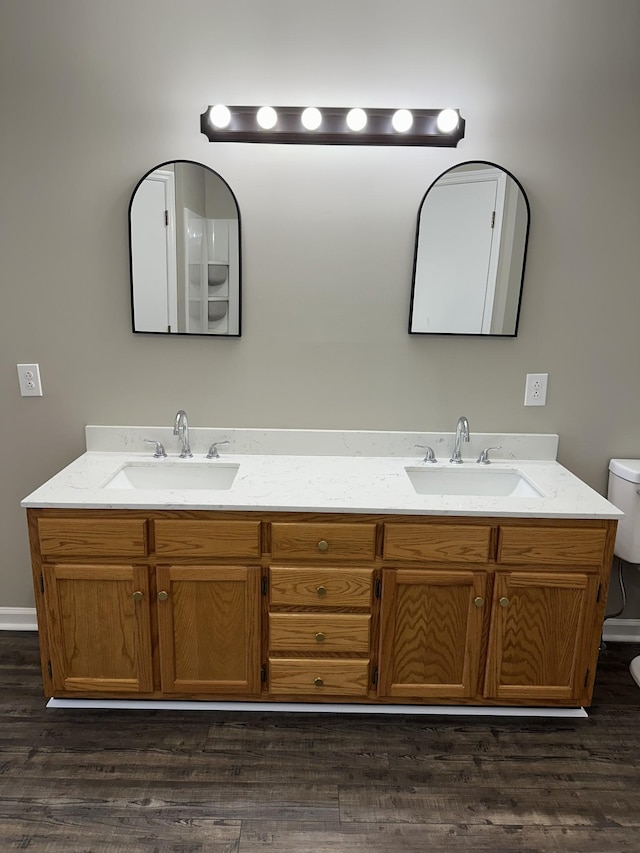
(442, 128)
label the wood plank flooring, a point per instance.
(138, 782)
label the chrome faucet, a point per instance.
(462, 434)
(213, 450)
(181, 429)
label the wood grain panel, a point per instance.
(191, 538)
(540, 631)
(343, 541)
(92, 537)
(209, 629)
(320, 587)
(437, 542)
(554, 546)
(431, 629)
(318, 632)
(100, 634)
(299, 676)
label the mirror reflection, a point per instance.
(471, 243)
(184, 232)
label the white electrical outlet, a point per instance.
(535, 389)
(29, 378)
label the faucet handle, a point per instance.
(160, 452)
(213, 450)
(429, 455)
(483, 459)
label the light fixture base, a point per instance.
(333, 129)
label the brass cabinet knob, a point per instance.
(318, 682)
(137, 595)
(321, 590)
(319, 637)
(323, 545)
(504, 602)
(479, 602)
(162, 596)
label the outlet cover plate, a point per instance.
(29, 379)
(535, 390)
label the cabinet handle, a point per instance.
(479, 602)
(137, 595)
(321, 590)
(318, 682)
(323, 545)
(320, 637)
(162, 596)
(504, 602)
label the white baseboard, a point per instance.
(18, 619)
(313, 708)
(621, 631)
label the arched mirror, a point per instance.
(184, 238)
(471, 245)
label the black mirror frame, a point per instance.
(235, 200)
(524, 254)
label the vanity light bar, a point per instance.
(333, 126)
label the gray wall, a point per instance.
(95, 93)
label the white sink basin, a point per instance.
(472, 481)
(174, 475)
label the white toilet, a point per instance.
(624, 492)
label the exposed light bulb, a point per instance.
(220, 116)
(447, 121)
(311, 118)
(267, 117)
(356, 119)
(402, 120)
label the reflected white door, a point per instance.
(456, 233)
(153, 262)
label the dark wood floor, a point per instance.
(218, 783)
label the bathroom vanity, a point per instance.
(320, 577)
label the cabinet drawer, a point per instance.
(317, 632)
(178, 538)
(318, 677)
(323, 541)
(92, 537)
(555, 546)
(321, 587)
(437, 542)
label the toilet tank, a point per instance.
(624, 492)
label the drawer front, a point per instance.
(319, 677)
(437, 542)
(321, 587)
(323, 541)
(555, 546)
(186, 538)
(318, 632)
(93, 537)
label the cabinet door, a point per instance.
(99, 626)
(431, 633)
(540, 636)
(209, 629)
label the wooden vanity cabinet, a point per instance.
(540, 637)
(209, 629)
(431, 626)
(319, 607)
(435, 583)
(547, 611)
(93, 597)
(321, 585)
(99, 628)
(519, 624)
(131, 603)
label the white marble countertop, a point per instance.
(347, 472)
